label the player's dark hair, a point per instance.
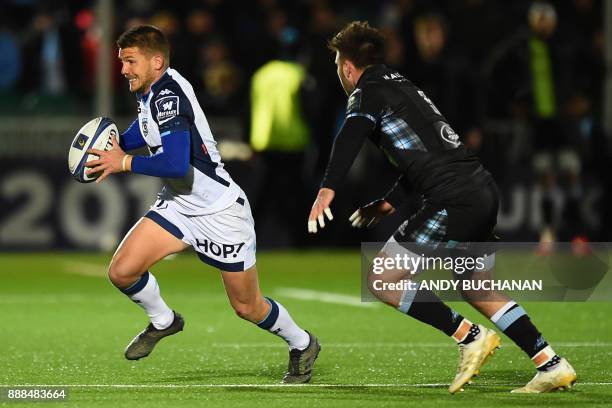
(360, 43)
(148, 38)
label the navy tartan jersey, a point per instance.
(415, 136)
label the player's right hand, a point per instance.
(370, 214)
(320, 209)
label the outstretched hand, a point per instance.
(320, 209)
(370, 214)
(108, 162)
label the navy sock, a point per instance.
(426, 307)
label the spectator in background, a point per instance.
(322, 26)
(51, 53)
(182, 52)
(398, 16)
(221, 80)
(583, 121)
(200, 28)
(10, 58)
(528, 75)
(279, 132)
(444, 75)
(477, 25)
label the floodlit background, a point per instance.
(523, 85)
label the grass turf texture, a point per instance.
(64, 324)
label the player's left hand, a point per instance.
(370, 214)
(321, 208)
(108, 162)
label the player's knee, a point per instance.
(121, 271)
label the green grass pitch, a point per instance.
(64, 324)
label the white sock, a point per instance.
(279, 322)
(145, 292)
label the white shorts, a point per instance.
(225, 239)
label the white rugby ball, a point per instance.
(95, 134)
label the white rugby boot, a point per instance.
(559, 378)
(473, 355)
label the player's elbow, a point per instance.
(178, 169)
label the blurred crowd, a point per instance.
(531, 70)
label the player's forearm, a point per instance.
(346, 148)
(131, 138)
(173, 162)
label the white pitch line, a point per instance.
(393, 344)
(413, 385)
(85, 269)
(325, 297)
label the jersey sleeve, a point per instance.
(365, 102)
(172, 162)
(171, 110)
(131, 138)
(363, 113)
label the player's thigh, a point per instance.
(145, 244)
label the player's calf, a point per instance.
(253, 312)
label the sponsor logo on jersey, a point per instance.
(167, 108)
(448, 134)
(394, 76)
(166, 92)
(219, 250)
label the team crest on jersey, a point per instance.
(145, 127)
(354, 101)
(448, 134)
(167, 108)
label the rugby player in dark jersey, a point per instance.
(460, 202)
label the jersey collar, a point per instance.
(371, 72)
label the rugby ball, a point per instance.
(95, 134)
